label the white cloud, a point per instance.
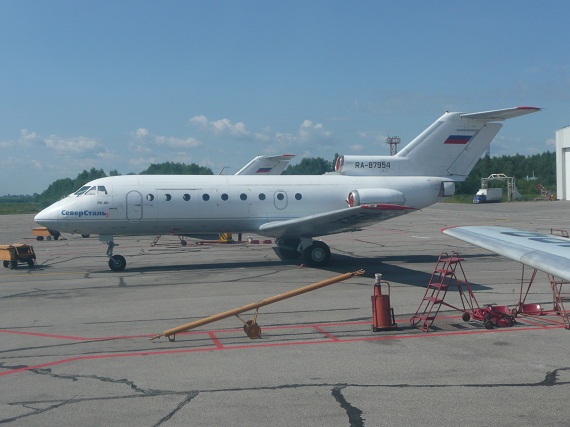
(146, 137)
(140, 133)
(27, 136)
(173, 142)
(221, 126)
(308, 132)
(75, 145)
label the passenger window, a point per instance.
(186, 197)
(205, 197)
(298, 196)
(261, 196)
(225, 197)
(167, 197)
(101, 189)
(280, 196)
(150, 197)
(243, 196)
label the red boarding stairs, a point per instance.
(448, 273)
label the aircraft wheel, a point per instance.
(117, 263)
(316, 255)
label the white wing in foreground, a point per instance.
(544, 252)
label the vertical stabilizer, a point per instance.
(451, 146)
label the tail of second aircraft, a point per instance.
(449, 148)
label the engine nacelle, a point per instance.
(375, 196)
(447, 189)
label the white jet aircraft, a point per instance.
(293, 209)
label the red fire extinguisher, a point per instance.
(382, 313)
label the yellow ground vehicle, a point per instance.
(41, 232)
(17, 253)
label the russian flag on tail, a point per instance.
(457, 139)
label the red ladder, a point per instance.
(444, 276)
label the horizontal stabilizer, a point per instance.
(266, 165)
(543, 252)
(506, 113)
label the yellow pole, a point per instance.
(259, 304)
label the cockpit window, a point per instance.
(101, 189)
(82, 190)
(91, 192)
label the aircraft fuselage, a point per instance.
(194, 204)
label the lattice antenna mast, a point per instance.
(393, 141)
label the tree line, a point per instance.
(527, 170)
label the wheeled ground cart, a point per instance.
(17, 253)
(44, 232)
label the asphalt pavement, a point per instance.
(76, 347)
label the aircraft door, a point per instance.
(134, 206)
(280, 199)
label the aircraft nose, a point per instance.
(48, 217)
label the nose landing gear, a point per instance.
(116, 262)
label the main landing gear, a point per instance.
(314, 253)
(116, 262)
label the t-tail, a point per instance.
(449, 148)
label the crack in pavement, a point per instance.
(189, 398)
(354, 414)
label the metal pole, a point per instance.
(259, 304)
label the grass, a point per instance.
(19, 208)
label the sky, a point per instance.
(118, 85)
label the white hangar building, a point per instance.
(563, 163)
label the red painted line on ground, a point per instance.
(69, 337)
(219, 347)
(215, 339)
(325, 333)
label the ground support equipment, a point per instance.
(44, 232)
(558, 298)
(17, 253)
(449, 273)
(382, 313)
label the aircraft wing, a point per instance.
(544, 252)
(266, 165)
(340, 221)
